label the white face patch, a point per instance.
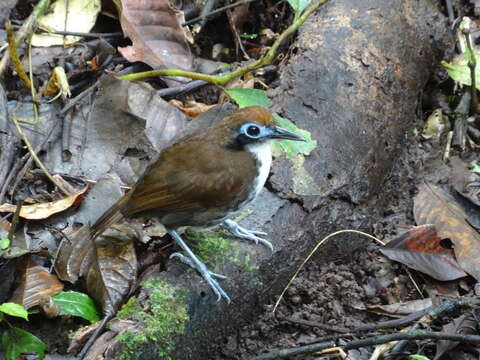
(263, 154)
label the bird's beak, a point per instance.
(281, 133)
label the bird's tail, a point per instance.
(112, 216)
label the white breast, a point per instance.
(263, 154)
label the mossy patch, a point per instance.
(210, 246)
(166, 318)
(216, 248)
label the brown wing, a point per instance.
(192, 175)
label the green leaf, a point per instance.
(459, 71)
(418, 357)
(16, 341)
(298, 6)
(77, 304)
(292, 148)
(13, 309)
(4, 243)
(249, 97)
(475, 167)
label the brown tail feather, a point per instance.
(112, 216)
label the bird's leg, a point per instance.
(195, 263)
(243, 233)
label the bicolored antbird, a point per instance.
(203, 179)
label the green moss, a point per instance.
(210, 246)
(129, 309)
(165, 319)
(217, 248)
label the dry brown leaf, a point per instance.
(420, 249)
(191, 108)
(44, 210)
(36, 285)
(157, 34)
(465, 324)
(433, 205)
(108, 264)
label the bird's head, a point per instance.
(249, 126)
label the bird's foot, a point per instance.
(195, 263)
(243, 233)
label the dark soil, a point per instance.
(338, 292)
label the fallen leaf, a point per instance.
(108, 264)
(464, 324)
(124, 130)
(420, 249)
(433, 205)
(58, 83)
(155, 28)
(191, 108)
(81, 16)
(35, 284)
(403, 308)
(44, 210)
(7, 6)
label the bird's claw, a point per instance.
(243, 233)
(208, 275)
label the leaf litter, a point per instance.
(103, 142)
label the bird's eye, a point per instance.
(253, 131)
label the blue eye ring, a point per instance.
(252, 130)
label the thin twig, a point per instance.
(472, 63)
(266, 59)
(395, 323)
(94, 336)
(313, 252)
(36, 159)
(216, 11)
(374, 340)
(71, 103)
(431, 316)
(25, 30)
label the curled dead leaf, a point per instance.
(191, 108)
(44, 210)
(36, 285)
(420, 249)
(434, 205)
(108, 264)
(157, 34)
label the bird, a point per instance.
(202, 180)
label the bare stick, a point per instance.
(36, 159)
